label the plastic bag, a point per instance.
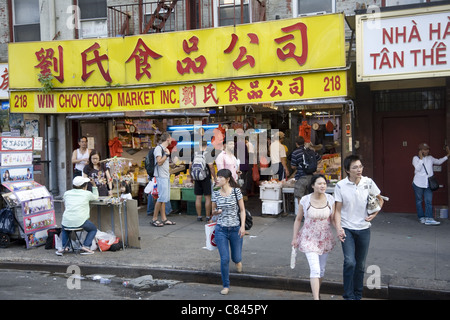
(210, 236)
(293, 257)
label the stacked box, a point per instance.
(270, 194)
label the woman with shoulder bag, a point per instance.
(229, 230)
(423, 169)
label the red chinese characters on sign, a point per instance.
(188, 96)
(96, 60)
(4, 83)
(254, 94)
(233, 91)
(48, 60)
(209, 92)
(240, 61)
(288, 51)
(197, 65)
(141, 54)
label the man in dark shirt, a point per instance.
(302, 180)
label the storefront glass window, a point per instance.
(408, 100)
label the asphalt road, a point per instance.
(33, 285)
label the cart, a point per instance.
(9, 227)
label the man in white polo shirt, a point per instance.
(353, 223)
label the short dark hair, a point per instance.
(349, 160)
(300, 140)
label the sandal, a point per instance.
(86, 251)
(169, 223)
(156, 223)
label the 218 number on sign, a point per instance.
(332, 83)
(20, 101)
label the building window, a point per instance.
(26, 19)
(392, 3)
(233, 12)
(309, 7)
(409, 100)
(93, 18)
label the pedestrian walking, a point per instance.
(228, 205)
(315, 238)
(303, 174)
(201, 175)
(353, 223)
(162, 175)
(423, 168)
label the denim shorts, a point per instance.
(163, 189)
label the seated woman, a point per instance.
(77, 212)
(97, 171)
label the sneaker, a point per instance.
(199, 219)
(422, 220)
(431, 222)
(59, 253)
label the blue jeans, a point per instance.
(151, 206)
(423, 194)
(355, 248)
(91, 232)
(226, 238)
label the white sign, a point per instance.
(403, 44)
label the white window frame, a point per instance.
(94, 21)
(15, 24)
(296, 14)
(216, 12)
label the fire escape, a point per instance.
(158, 20)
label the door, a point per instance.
(401, 137)
(98, 131)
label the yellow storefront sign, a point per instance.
(205, 94)
(244, 51)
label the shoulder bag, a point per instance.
(432, 182)
(248, 215)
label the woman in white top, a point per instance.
(423, 168)
(315, 238)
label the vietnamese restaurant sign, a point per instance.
(405, 44)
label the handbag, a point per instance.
(432, 182)
(248, 215)
(210, 232)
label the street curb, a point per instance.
(387, 292)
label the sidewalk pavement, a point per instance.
(411, 259)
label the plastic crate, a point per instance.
(175, 193)
(191, 211)
(268, 192)
(187, 194)
(272, 207)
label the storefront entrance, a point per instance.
(396, 144)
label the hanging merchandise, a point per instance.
(115, 147)
(305, 131)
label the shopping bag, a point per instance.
(210, 236)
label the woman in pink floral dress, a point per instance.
(315, 238)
